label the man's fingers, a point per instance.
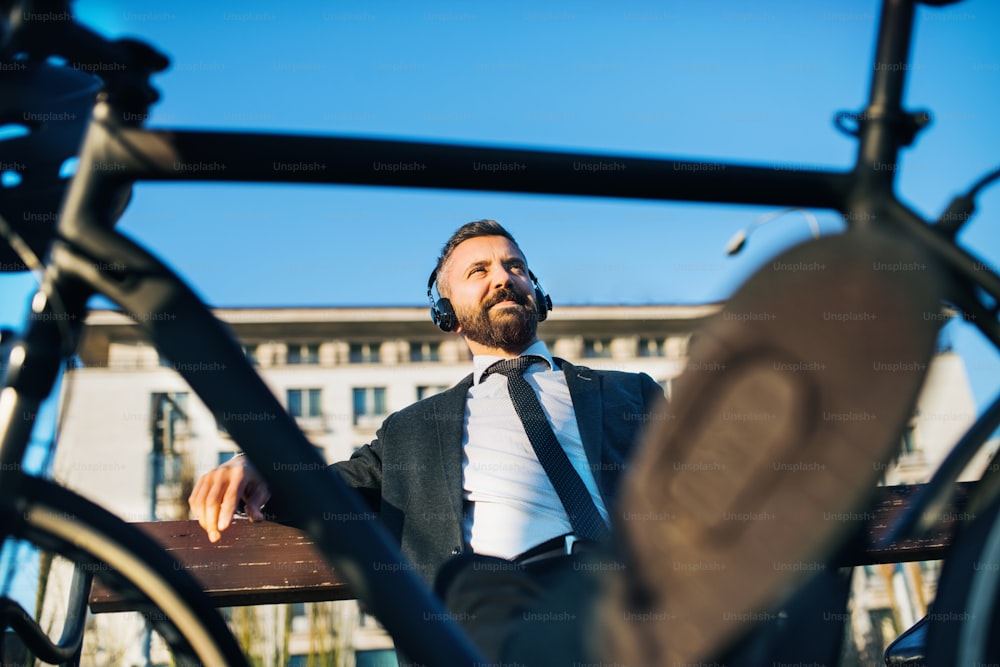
(217, 494)
(214, 498)
(196, 501)
(230, 491)
(213, 507)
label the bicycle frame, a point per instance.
(90, 257)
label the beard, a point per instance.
(511, 327)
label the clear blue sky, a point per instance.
(750, 82)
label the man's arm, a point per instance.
(362, 472)
(219, 492)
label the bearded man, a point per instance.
(509, 492)
(456, 473)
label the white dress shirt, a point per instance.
(512, 504)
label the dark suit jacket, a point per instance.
(412, 472)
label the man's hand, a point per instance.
(215, 496)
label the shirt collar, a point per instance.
(481, 362)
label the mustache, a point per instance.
(504, 294)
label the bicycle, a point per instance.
(84, 255)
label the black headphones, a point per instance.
(443, 314)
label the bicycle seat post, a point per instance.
(884, 126)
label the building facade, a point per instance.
(135, 437)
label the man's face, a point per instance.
(486, 279)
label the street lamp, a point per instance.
(740, 238)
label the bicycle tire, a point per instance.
(123, 558)
(964, 619)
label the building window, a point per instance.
(369, 406)
(379, 657)
(650, 347)
(425, 352)
(909, 440)
(169, 422)
(302, 353)
(425, 391)
(364, 353)
(597, 348)
(306, 406)
(168, 419)
(299, 622)
(225, 456)
(305, 402)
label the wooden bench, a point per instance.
(269, 563)
(254, 563)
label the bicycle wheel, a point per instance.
(964, 619)
(125, 559)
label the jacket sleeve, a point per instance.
(362, 472)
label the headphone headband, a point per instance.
(443, 314)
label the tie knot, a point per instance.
(512, 367)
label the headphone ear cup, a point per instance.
(543, 302)
(444, 315)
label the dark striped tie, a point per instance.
(583, 515)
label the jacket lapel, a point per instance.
(585, 390)
(449, 417)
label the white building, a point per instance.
(340, 371)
